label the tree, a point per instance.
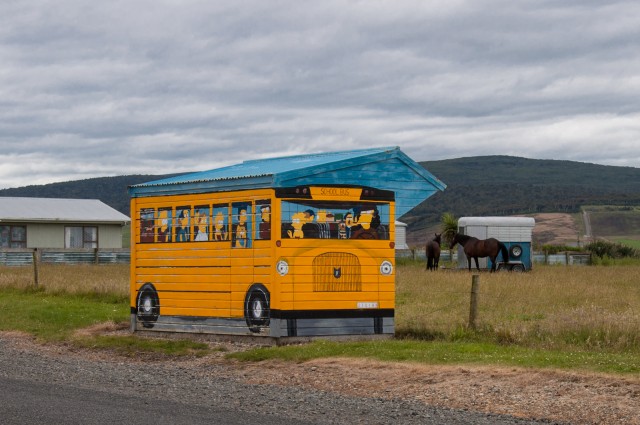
(449, 226)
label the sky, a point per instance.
(92, 89)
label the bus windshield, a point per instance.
(308, 219)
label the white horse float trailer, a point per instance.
(514, 232)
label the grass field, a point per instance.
(554, 316)
(614, 222)
(633, 243)
(553, 307)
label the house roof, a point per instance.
(383, 168)
(58, 210)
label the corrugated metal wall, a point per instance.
(24, 257)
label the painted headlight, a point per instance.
(282, 267)
(386, 268)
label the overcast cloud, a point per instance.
(92, 89)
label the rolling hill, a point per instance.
(503, 185)
(485, 185)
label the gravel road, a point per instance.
(215, 385)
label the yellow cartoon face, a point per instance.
(218, 226)
(242, 217)
(163, 220)
(219, 222)
(365, 219)
(184, 218)
(348, 220)
(266, 214)
(297, 221)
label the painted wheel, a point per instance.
(518, 268)
(256, 308)
(516, 251)
(148, 305)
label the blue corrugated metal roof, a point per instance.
(266, 167)
(385, 168)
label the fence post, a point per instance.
(473, 310)
(96, 258)
(35, 267)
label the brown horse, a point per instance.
(433, 252)
(474, 248)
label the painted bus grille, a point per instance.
(336, 272)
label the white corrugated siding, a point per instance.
(401, 235)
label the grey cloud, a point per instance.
(150, 87)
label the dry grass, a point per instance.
(112, 279)
(550, 307)
(560, 307)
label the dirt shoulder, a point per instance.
(564, 397)
(567, 397)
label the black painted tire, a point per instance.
(148, 305)
(256, 307)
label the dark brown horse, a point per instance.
(474, 248)
(433, 252)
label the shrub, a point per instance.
(604, 249)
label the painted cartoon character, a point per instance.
(219, 234)
(201, 224)
(265, 224)
(348, 223)
(365, 219)
(241, 229)
(297, 221)
(182, 230)
(365, 224)
(164, 230)
(342, 230)
(300, 222)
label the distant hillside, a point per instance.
(504, 185)
(110, 190)
(487, 185)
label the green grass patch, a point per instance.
(54, 317)
(451, 353)
(633, 243)
(132, 345)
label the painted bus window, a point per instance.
(201, 223)
(335, 220)
(147, 220)
(163, 225)
(263, 220)
(220, 228)
(183, 219)
(241, 226)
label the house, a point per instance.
(59, 223)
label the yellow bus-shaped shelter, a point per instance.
(297, 246)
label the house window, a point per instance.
(13, 236)
(81, 237)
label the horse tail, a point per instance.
(505, 253)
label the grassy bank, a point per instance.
(555, 316)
